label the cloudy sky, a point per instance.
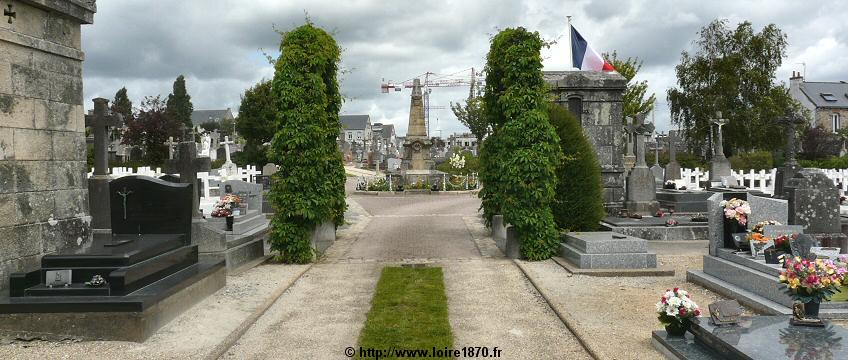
(219, 44)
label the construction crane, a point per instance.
(465, 77)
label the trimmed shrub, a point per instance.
(578, 205)
(309, 188)
(519, 158)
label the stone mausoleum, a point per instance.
(597, 99)
(43, 188)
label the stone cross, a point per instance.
(100, 122)
(657, 148)
(718, 144)
(672, 146)
(226, 144)
(642, 130)
(170, 144)
(11, 13)
(630, 129)
(790, 120)
(188, 164)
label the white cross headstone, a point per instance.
(206, 145)
(226, 144)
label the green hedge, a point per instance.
(309, 188)
(757, 160)
(829, 163)
(578, 205)
(519, 158)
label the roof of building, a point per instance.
(199, 117)
(388, 130)
(355, 122)
(826, 94)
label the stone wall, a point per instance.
(598, 97)
(43, 188)
(822, 117)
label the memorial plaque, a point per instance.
(57, 277)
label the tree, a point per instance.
(520, 156)
(256, 122)
(732, 71)
(149, 128)
(634, 95)
(817, 143)
(578, 205)
(179, 103)
(122, 104)
(471, 113)
(309, 188)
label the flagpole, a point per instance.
(570, 55)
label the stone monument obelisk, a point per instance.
(720, 166)
(416, 148)
(641, 184)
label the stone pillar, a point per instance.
(596, 99)
(672, 169)
(43, 188)
(641, 184)
(720, 166)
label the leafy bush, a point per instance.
(818, 144)
(472, 165)
(519, 158)
(578, 205)
(690, 161)
(309, 188)
(757, 160)
(829, 163)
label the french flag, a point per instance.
(584, 57)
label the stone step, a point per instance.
(751, 280)
(646, 260)
(603, 242)
(234, 240)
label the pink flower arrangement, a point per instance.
(815, 280)
(736, 209)
(225, 206)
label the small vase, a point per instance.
(811, 309)
(230, 223)
(678, 328)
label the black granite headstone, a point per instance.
(144, 205)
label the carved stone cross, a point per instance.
(790, 120)
(11, 13)
(187, 164)
(100, 121)
(642, 130)
(170, 144)
(227, 144)
(718, 144)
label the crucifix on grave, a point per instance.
(98, 183)
(641, 183)
(790, 166)
(187, 164)
(672, 169)
(720, 166)
(170, 143)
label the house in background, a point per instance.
(356, 131)
(827, 101)
(465, 141)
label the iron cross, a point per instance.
(11, 13)
(124, 195)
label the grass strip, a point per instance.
(409, 311)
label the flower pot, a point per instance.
(811, 309)
(678, 328)
(732, 227)
(772, 256)
(230, 223)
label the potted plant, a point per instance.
(811, 281)
(676, 311)
(736, 213)
(225, 207)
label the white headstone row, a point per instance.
(762, 180)
(118, 172)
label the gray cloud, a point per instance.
(218, 44)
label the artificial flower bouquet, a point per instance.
(812, 280)
(225, 206)
(676, 311)
(736, 209)
(781, 242)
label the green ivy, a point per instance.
(519, 158)
(578, 205)
(309, 188)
